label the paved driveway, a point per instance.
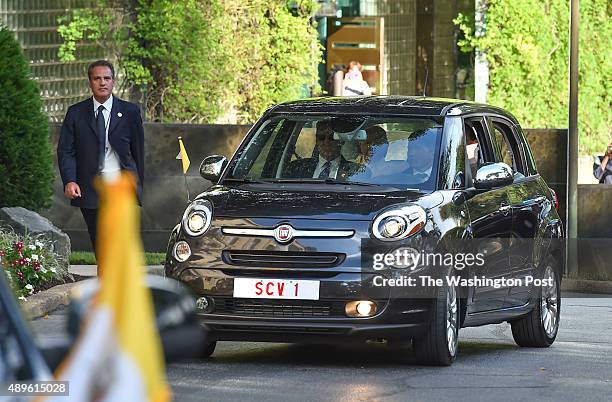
(490, 367)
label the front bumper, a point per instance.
(323, 320)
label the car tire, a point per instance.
(438, 347)
(208, 349)
(539, 328)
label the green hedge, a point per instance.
(527, 45)
(26, 167)
(201, 61)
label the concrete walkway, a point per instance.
(91, 270)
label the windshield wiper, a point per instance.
(329, 180)
(245, 180)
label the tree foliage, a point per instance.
(206, 60)
(527, 43)
(26, 166)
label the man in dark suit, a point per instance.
(100, 135)
(329, 164)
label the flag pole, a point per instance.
(185, 162)
(187, 187)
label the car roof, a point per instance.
(389, 104)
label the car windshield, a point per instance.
(387, 151)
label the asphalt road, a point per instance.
(490, 367)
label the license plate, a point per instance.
(276, 289)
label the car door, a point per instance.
(526, 201)
(490, 221)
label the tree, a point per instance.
(527, 45)
(26, 167)
(198, 61)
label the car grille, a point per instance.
(278, 308)
(285, 259)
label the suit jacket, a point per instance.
(305, 168)
(77, 150)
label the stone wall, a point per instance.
(165, 194)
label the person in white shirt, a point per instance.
(354, 84)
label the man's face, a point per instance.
(328, 147)
(101, 83)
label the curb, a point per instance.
(586, 286)
(40, 304)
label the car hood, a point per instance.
(251, 202)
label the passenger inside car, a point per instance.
(420, 157)
(473, 149)
(374, 147)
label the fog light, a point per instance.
(182, 251)
(202, 304)
(361, 308)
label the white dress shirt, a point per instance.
(111, 159)
(333, 172)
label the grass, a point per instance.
(88, 258)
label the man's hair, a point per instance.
(376, 135)
(100, 63)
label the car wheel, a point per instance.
(208, 350)
(438, 347)
(539, 328)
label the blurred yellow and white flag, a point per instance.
(118, 356)
(183, 155)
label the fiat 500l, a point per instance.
(300, 238)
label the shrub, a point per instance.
(26, 167)
(30, 263)
(201, 61)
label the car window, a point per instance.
(506, 147)
(477, 150)
(400, 152)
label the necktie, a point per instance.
(101, 131)
(325, 171)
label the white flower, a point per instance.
(29, 287)
(54, 270)
(34, 257)
(32, 247)
(28, 260)
(38, 244)
(22, 298)
(43, 270)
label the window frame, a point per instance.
(485, 143)
(515, 145)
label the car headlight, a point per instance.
(397, 224)
(197, 218)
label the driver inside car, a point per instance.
(329, 163)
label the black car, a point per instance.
(321, 228)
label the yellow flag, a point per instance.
(118, 356)
(183, 156)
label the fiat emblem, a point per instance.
(283, 233)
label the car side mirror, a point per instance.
(179, 329)
(493, 175)
(212, 167)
